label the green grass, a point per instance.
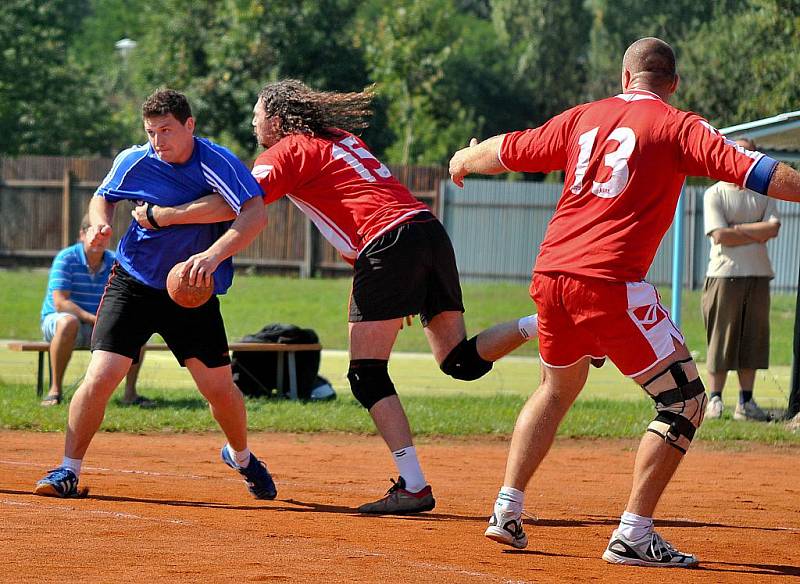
(254, 301)
(610, 406)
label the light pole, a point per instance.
(124, 47)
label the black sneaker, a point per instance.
(400, 501)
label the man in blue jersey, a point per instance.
(76, 283)
(173, 168)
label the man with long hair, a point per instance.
(625, 159)
(403, 260)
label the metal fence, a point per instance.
(497, 227)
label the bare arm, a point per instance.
(210, 209)
(477, 159)
(761, 231)
(101, 213)
(247, 225)
(62, 303)
(745, 233)
(785, 184)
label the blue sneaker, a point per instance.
(59, 482)
(256, 475)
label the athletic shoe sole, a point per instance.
(500, 535)
(613, 558)
(48, 490)
(365, 509)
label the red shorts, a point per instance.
(581, 316)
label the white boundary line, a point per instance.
(72, 511)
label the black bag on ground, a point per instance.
(256, 372)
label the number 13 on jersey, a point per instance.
(616, 160)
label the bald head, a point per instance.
(650, 61)
(746, 143)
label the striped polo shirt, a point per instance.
(70, 273)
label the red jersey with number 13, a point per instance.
(350, 196)
(625, 159)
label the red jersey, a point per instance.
(625, 160)
(350, 196)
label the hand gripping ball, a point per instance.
(182, 293)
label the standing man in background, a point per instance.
(75, 286)
(736, 296)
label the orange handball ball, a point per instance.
(182, 293)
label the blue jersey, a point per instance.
(70, 273)
(139, 174)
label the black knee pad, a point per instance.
(464, 363)
(369, 381)
(679, 410)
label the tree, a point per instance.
(221, 52)
(406, 49)
(617, 23)
(49, 104)
(743, 66)
(546, 43)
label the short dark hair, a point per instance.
(165, 101)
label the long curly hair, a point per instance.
(318, 113)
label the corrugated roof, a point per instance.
(778, 136)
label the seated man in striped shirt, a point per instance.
(77, 280)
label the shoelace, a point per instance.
(529, 516)
(396, 486)
(663, 546)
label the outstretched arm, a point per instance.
(785, 184)
(247, 225)
(210, 209)
(477, 159)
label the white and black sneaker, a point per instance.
(652, 550)
(506, 527)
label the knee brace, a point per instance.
(464, 363)
(680, 408)
(369, 381)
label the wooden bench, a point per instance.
(42, 347)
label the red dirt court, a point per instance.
(192, 520)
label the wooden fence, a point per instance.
(43, 198)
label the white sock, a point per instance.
(529, 326)
(510, 499)
(408, 466)
(242, 459)
(73, 464)
(634, 527)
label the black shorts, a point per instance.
(130, 312)
(410, 269)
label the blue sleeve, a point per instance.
(226, 175)
(761, 174)
(112, 188)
